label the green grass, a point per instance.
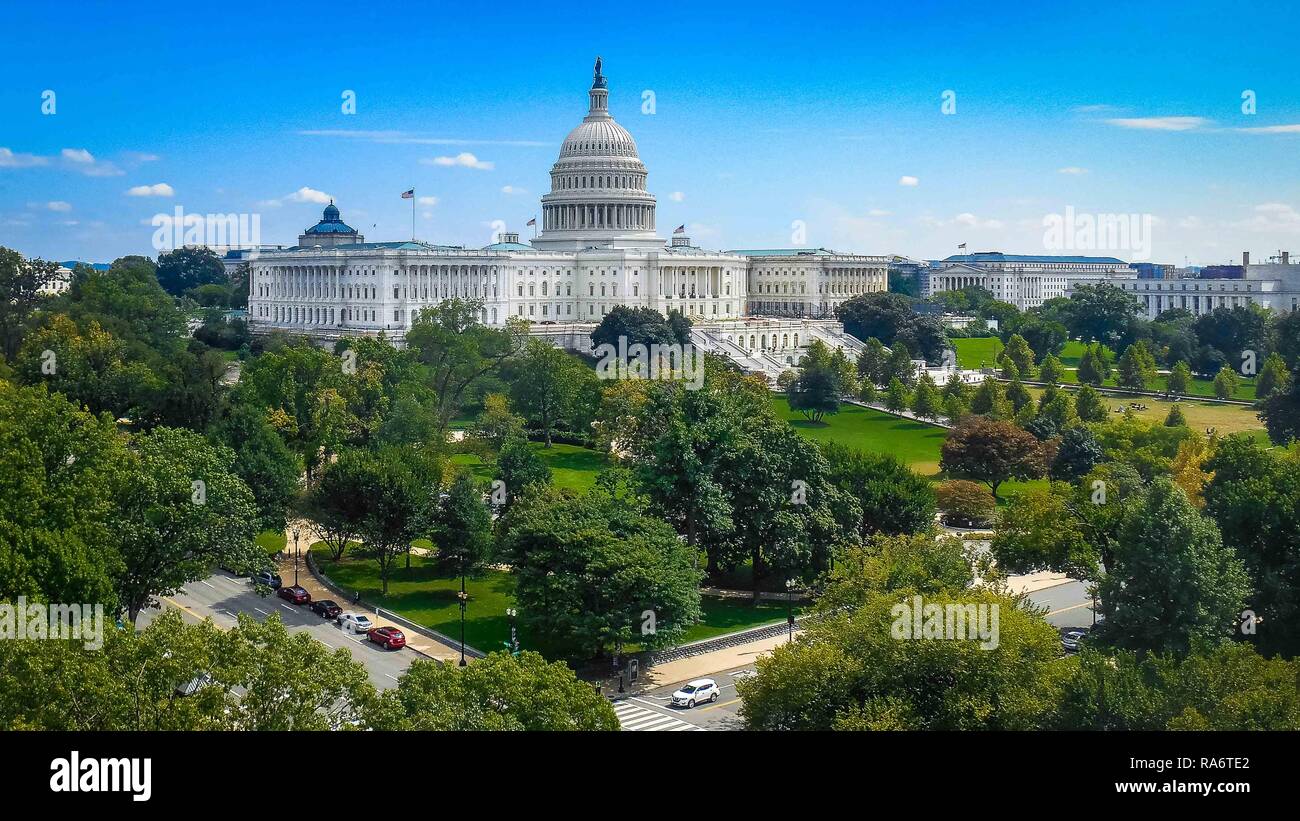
(914, 443)
(272, 541)
(428, 597)
(974, 351)
(571, 466)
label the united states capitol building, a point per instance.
(598, 247)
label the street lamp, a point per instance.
(513, 644)
(295, 557)
(461, 595)
(790, 585)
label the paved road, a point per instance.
(1068, 605)
(653, 708)
(221, 596)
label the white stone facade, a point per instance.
(1024, 281)
(597, 248)
(1273, 285)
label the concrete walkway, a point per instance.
(705, 664)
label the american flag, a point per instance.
(532, 221)
(961, 247)
(406, 195)
(681, 229)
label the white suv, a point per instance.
(702, 689)
(354, 622)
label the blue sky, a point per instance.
(765, 114)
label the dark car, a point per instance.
(267, 578)
(389, 637)
(295, 594)
(326, 608)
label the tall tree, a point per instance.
(462, 527)
(893, 498)
(21, 284)
(547, 384)
(991, 451)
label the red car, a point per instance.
(294, 594)
(389, 637)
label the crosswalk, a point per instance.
(636, 719)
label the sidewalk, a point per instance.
(307, 580)
(705, 664)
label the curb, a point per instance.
(446, 641)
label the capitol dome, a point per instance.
(598, 195)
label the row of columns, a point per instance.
(598, 215)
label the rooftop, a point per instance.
(998, 256)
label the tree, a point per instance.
(1057, 408)
(1226, 382)
(955, 409)
(1045, 338)
(462, 527)
(499, 692)
(991, 451)
(547, 385)
(893, 498)
(873, 362)
(459, 351)
(899, 365)
(636, 326)
(64, 471)
(1018, 395)
(1020, 354)
(865, 677)
(1222, 687)
(189, 268)
(786, 378)
(897, 398)
(337, 504)
(519, 468)
(1137, 367)
(824, 378)
(1175, 418)
(879, 315)
(21, 284)
(182, 512)
(1100, 313)
(990, 400)
(495, 425)
(1175, 582)
(1089, 405)
(263, 461)
(925, 399)
(1236, 332)
(256, 676)
(397, 504)
(587, 569)
(965, 504)
(1274, 376)
(1094, 366)
(1078, 453)
(1180, 378)
(1051, 370)
(1280, 413)
(1253, 495)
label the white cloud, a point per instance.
(8, 159)
(513, 189)
(964, 219)
(85, 162)
(1290, 128)
(158, 189)
(59, 205)
(878, 212)
(677, 196)
(1159, 123)
(427, 200)
(140, 156)
(1073, 170)
(464, 159)
(909, 182)
(306, 194)
(1272, 218)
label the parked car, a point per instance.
(267, 578)
(1070, 641)
(702, 689)
(389, 637)
(326, 609)
(354, 622)
(294, 594)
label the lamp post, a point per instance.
(513, 644)
(789, 609)
(295, 557)
(461, 595)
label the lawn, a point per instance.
(976, 351)
(272, 541)
(571, 466)
(1200, 415)
(914, 443)
(428, 597)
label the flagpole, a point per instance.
(412, 215)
